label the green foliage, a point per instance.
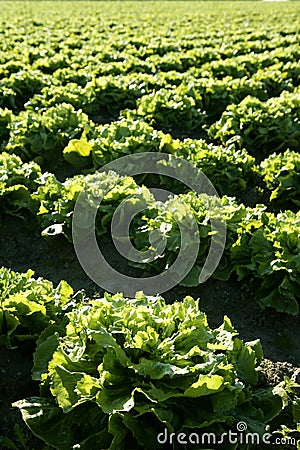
(25, 83)
(282, 176)
(77, 153)
(261, 127)
(54, 201)
(179, 108)
(206, 210)
(259, 244)
(125, 369)
(20, 442)
(124, 137)
(17, 181)
(230, 170)
(43, 135)
(56, 94)
(29, 305)
(108, 95)
(268, 249)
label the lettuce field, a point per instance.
(209, 359)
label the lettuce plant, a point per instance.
(126, 369)
(179, 108)
(261, 127)
(42, 135)
(282, 176)
(28, 305)
(268, 251)
(17, 181)
(54, 202)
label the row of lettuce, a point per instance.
(257, 128)
(61, 137)
(260, 245)
(176, 66)
(97, 43)
(216, 88)
(220, 60)
(136, 370)
(217, 109)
